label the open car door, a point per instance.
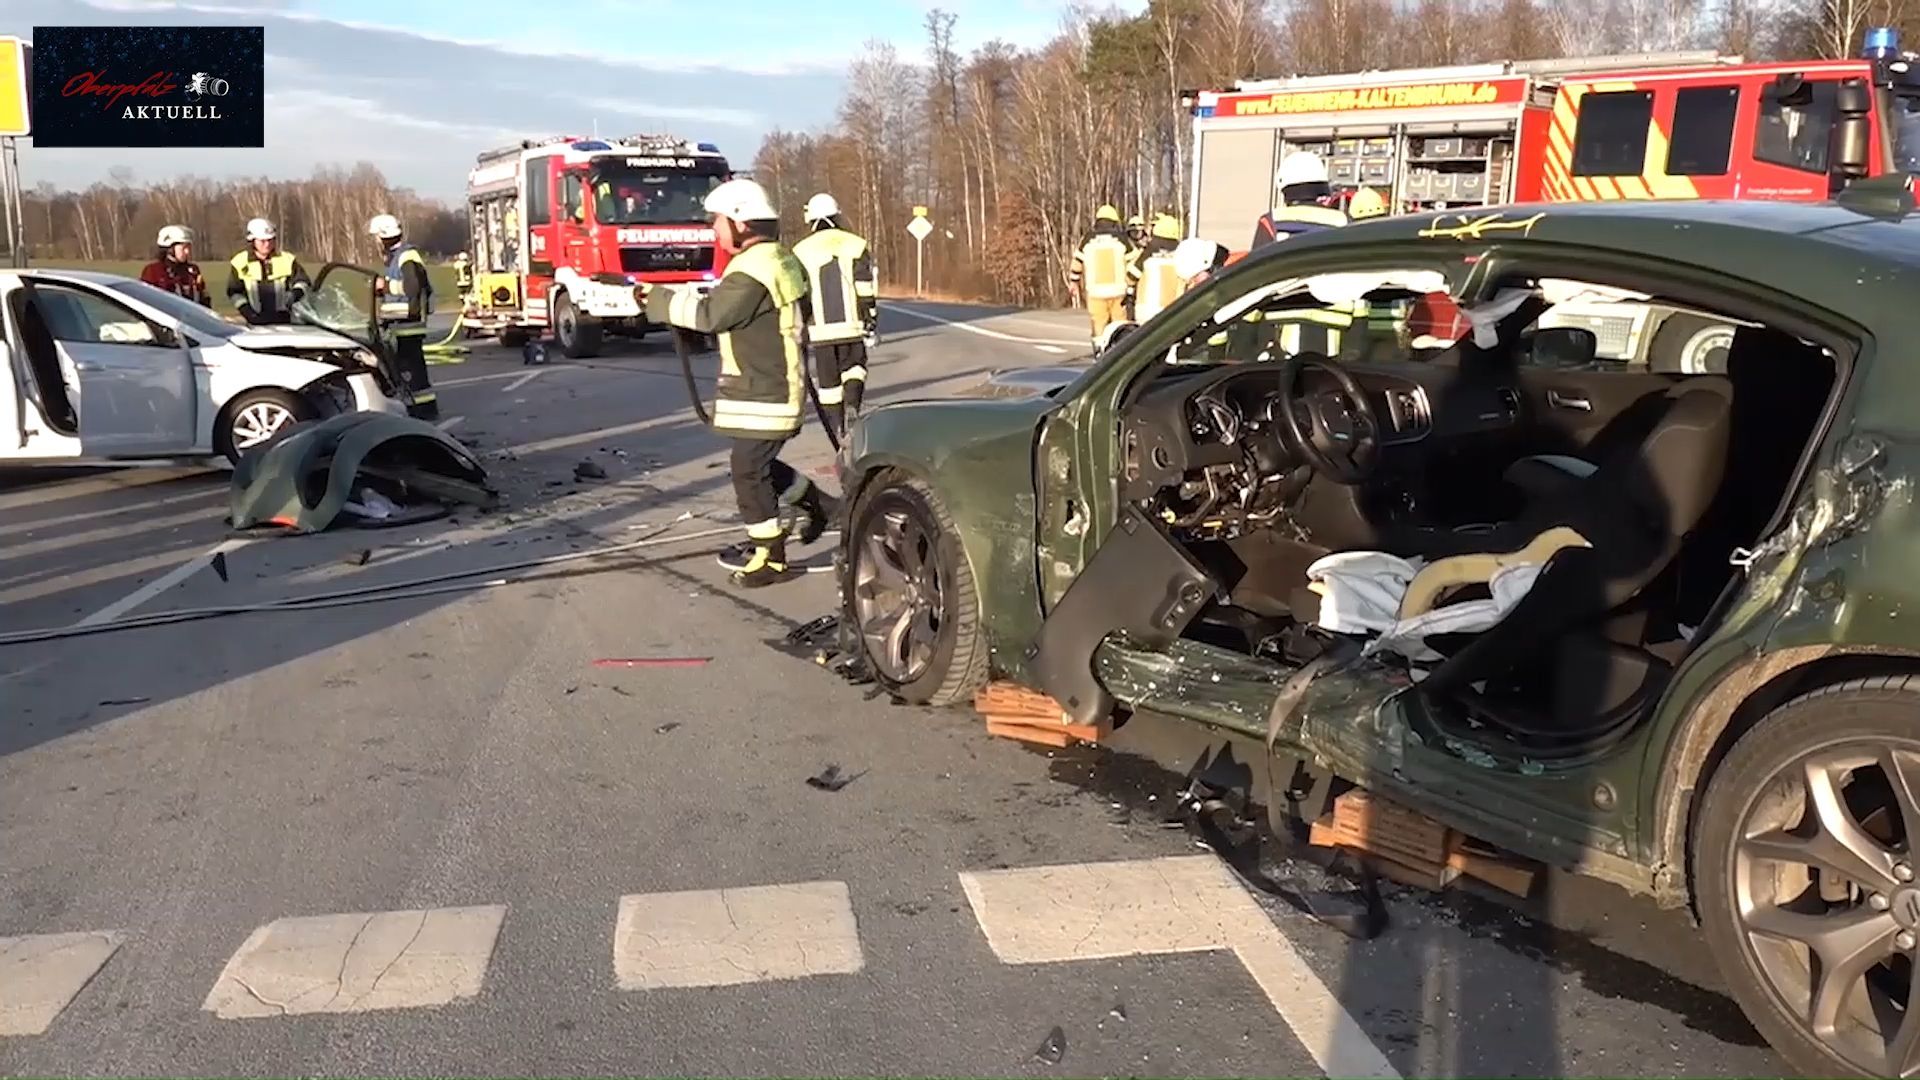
(343, 300)
(44, 388)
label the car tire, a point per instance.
(953, 664)
(578, 333)
(1757, 791)
(246, 413)
(1690, 345)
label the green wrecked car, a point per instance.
(1369, 505)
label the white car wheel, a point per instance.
(258, 417)
(257, 422)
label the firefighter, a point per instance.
(265, 281)
(462, 274)
(1305, 201)
(755, 312)
(1366, 203)
(173, 268)
(843, 288)
(406, 300)
(1136, 230)
(1196, 259)
(1154, 280)
(1099, 272)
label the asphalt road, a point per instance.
(603, 870)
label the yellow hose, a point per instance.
(443, 351)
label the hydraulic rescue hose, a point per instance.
(685, 350)
(444, 351)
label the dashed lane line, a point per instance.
(450, 423)
(1089, 911)
(725, 937)
(162, 583)
(1038, 343)
(42, 973)
(522, 381)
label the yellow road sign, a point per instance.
(919, 211)
(13, 87)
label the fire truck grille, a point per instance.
(640, 260)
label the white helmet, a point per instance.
(1301, 167)
(1193, 257)
(384, 226)
(741, 200)
(821, 207)
(260, 229)
(174, 234)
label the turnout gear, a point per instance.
(174, 234)
(842, 298)
(1300, 167)
(1294, 220)
(755, 314)
(1303, 203)
(462, 273)
(1099, 272)
(741, 200)
(180, 276)
(260, 229)
(820, 208)
(264, 288)
(1151, 275)
(1196, 257)
(406, 300)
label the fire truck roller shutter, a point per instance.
(1236, 183)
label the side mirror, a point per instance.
(166, 336)
(1562, 347)
(1853, 128)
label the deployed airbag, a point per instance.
(306, 479)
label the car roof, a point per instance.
(1851, 262)
(90, 277)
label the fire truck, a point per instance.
(564, 230)
(1662, 126)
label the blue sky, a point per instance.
(419, 86)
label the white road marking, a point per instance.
(161, 584)
(1093, 911)
(438, 384)
(147, 528)
(1050, 348)
(449, 423)
(561, 442)
(37, 524)
(521, 381)
(724, 937)
(42, 973)
(358, 963)
(94, 485)
(981, 330)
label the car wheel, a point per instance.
(911, 596)
(1804, 877)
(578, 333)
(1690, 345)
(256, 418)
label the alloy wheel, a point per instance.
(258, 422)
(1827, 903)
(898, 595)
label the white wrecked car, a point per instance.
(104, 367)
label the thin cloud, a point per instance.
(646, 110)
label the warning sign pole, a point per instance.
(16, 58)
(919, 227)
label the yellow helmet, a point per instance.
(1166, 227)
(1107, 213)
(1366, 203)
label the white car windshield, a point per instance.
(182, 310)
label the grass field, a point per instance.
(441, 274)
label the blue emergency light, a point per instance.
(1882, 43)
(709, 148)
(592, 144)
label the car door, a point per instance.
(135, 374)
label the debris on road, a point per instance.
(219, 564)
(1053, 1049)
(378, 468)
(1014, 712)
(832, 779)
(125, 701)
(358, 558)
(588, 470)
(652, 661)
(666, 727)
(821, 641)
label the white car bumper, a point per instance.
(368, 397)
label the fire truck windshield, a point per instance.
(623, 195)
(1906, 132)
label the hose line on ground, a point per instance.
(367, 594)
(444, 350)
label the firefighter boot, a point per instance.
(766, 566)
(836, 416)
(851, 391)
(820, 509)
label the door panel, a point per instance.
(134, 377)
(1563, 409)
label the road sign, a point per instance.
(920, 227)
(13, 88)
(919, 211)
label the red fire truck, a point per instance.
(1673, 126)
(565, 228)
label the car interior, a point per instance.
(47, 385)
(1397, 412)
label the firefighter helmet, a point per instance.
(260, 229)
(1166, 227)
(740, 200)
(384, 226)
(174, 234)
(820, 208)
(1195, 257)
(1301, 167)
(1107, 213)
(1366, 203)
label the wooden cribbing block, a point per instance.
(1014, 712)
(1408, 847)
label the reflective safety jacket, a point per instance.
(842, 285)
(264, 289)
(1156, 281)
(1285, 221)
(755, 313)
(1100, 266)
(408, 301)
